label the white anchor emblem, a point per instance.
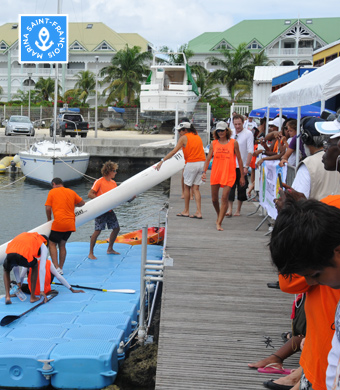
(44, 35)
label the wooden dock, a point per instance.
(217, 311)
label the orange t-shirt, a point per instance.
(102, 185)
(63, 200)
(47, 284)
(26, 244)
(223, 170)
(194, 150)
(320, 307)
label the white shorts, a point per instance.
(193, 173)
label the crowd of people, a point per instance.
(304, 244)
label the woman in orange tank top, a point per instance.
(223, 172)
(194, 157)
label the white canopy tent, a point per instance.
(319, 85)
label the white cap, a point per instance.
(276, 122)
(332, 127)
(183, 125)
(221, 125)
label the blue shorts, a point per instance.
(108, 219)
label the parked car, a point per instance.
(20, 125)
(71, 123)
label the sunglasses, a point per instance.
(220, 131)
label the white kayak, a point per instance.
(127, 190)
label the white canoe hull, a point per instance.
(129, 188)
(45, 168)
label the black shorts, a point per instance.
(13, 259)
(59, 236)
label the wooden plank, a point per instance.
(217, 311)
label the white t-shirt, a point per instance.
(245, 141)
(302, 181)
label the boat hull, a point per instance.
(168, 101)
(45, 168)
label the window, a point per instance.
(3, 46)
(89, 25)
(76, 46)
(254, 45)
(309, 21)
(223, 45)
(14, 26)
(287, 22)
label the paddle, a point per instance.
(9, 319)
(124, 291)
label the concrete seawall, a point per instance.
(128, 147)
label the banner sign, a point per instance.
(43, 39)
(269, 185)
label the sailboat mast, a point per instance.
(56, 91)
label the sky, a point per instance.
(169, 22)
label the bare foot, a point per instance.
(182, 197)
(112, 252)
(8, 301)
(237, 214)
(192, 198)
(264, 362)
(228, 215)
(34, 299)
(291, 379)
(91, 257)
(219, 227)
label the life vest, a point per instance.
(48, 279)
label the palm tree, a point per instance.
(85, 86)
(178, 58)
(236, 67)
(205, 82)
(45, 87)
(125, 73)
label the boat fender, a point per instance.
(47, 370)
(120, 352)
(150, 288)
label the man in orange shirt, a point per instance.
(61, 202)
(100, 186)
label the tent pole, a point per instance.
(297, 153)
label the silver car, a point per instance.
(20, 125)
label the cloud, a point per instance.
(171, 22)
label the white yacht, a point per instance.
(169, 86)
(48, 159)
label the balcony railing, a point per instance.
(305, 51)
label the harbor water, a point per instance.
(22, 205)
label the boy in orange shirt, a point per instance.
(306, 241)
(100, 186)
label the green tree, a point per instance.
(235, 67)
(85, 86)
(125, 74)
(177, 58)
(45, 88)
(205, 82)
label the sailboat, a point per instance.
(169, 86)
(47, 159)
